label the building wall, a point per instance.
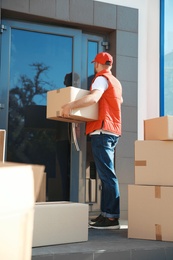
(148, 89)
(122, 27)
(127, 73)
(148, 57)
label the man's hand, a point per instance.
(66, 110)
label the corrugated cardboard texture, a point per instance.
(60, 223)
(16, 211)
(160, 128)
(57, 98)
(150, 212)
(159, 162)
(38, 173)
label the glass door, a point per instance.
(35, 59)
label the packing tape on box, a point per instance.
(158, 230)
(140, 163)
(157, 192)
(58, 113)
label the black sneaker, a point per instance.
(106, 223)
(97, 219)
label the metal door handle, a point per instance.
(74, 137)
(2, 106)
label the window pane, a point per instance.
(168, 58)
(38, 63)
(92, 51)
(48, 57)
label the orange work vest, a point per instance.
(109, 117)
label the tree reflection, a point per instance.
(30, 137)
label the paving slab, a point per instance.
(107, 245)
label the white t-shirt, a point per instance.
(100, 83)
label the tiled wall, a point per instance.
(122, 24)
(74, 11)
(127, 73)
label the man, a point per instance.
(104, 133)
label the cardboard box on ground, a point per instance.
(19, 189)
(60, 223)
(57, 98)
(150, 210)
(18, 193)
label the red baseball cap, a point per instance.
(103, 58)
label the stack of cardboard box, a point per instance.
(150, 199)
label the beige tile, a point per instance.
(62, 10)
(17, 5)
(43, 8)
(81, 11)
(105, 15)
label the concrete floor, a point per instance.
(107, 245)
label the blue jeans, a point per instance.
(103, 149)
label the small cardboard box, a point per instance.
(154, 162)
(2, 144)
(60, 223)
(57, 98)
(160, 128)
(150, 212)
(16, 211)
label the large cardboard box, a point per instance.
(60, 223)
(150, 212)
(42, 193)
(2, 144)
(57, 98)
(159, 128)
(39, 176)
(154, 162)
(39, 182)
(16, 211)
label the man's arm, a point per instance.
(85, 101)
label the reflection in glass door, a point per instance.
(38, 64)
(43, 58)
